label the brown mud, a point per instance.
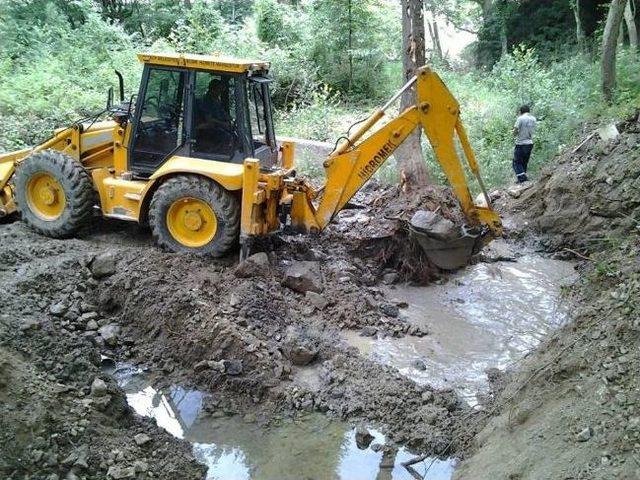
(261, 335)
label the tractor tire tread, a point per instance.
(80, 195)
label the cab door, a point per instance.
(161, 127)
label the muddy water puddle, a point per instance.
(487, 315)
(239, 448)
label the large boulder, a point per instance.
(304, 277)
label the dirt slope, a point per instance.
(570, 410)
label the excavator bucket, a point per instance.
(446, 245)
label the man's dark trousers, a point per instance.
(521, 157)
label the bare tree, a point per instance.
(610, 47)
(630, 20)
(580, 35)
(411, 164)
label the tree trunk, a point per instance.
(630, 20)
(411, 164)
(580, 35)
(435, 37)
(504, 41)
(610, 46)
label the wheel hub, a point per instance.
(45, 196)
(192, 222)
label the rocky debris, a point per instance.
(304, 276)
(256, 265)
(142, 439)
(232, 367)
(363, 437)
(317, 300)
(109, 334)
(103, 265)
(98, 388)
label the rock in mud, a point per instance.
(301, 355)
(109, 334)
(368, 331)
(98, 388)
(58, 309)
(584, 434)
(390, 310)
(232, 367)
(317, 300)
(117, 472)
(303, 277)
(30, 324)
(103, 265)
(142, 438)
(254, 266)
(363, 437)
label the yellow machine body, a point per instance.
(101, 148)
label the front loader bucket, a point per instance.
(448, 247)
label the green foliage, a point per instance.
(270, 21)
(349, 43)
(54, 71)
(202, 30)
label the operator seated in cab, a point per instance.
(215, 131)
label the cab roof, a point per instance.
(204, 62)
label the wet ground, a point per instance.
(238, 448)
(487, 315)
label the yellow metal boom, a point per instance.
(356, 159)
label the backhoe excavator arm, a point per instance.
(356, 159)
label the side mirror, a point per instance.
(109, 98)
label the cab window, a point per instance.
(215, 133)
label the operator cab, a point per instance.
(205, 107)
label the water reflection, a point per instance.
(311, 448)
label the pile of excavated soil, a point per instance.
(570, 409)
(588, 196)
(60, 417)
(380, 231)
(264, 336)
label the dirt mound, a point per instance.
(588, 197)
(570, 409)
(264, 336)
(380, 230)
(59, 416)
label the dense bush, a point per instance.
(57, 59)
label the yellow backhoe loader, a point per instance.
(195, 156)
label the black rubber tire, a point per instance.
(223, 203)
(80, 197)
